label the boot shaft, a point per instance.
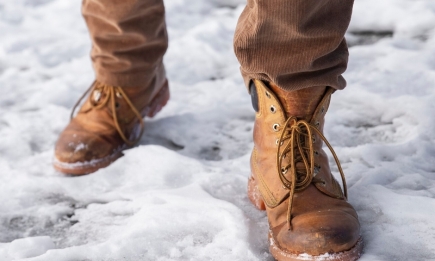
(272, 154)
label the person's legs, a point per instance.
(295, 44)
(292, 54)
(129, 40)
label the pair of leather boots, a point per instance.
(308, 213)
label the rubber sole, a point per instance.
(279, 254)
(83, 168)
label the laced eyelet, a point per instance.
(275, 127)
(284, 170)
(268, 95)
(317, 124)
(313, 138)
(322, 110)
(119, 95)
(277, 143)
(96, 95)
(272, 109)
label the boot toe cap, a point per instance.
(319, 233)
(77, 146)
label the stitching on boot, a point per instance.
(268, 198)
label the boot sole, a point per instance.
(279, 254)
(83, 168)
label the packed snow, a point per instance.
(181, 194)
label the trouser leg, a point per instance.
(295, 44)
(129, 40)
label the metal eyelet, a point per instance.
(317, 123)
(272, 109)
(316, 171)
(284, 170)
(322, 110)
(275, 127)
(313, 138)
(96, 95)
(268, 95)
(116, 105)
(284, 187)
(316, 152)
(277, 143)
(119, 95)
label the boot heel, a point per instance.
(254, 194)
(158, 102)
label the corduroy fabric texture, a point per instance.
(295, 44)
(129, 40)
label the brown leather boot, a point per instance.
(308, 214)
(110, 121)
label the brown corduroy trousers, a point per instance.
(295, 44)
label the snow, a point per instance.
(27, 247)
(181, 194)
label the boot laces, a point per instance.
(99, 101)
(296, 140)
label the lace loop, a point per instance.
(294, 136)
(111, 93)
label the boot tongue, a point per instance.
(300, 103)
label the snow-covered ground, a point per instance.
(181, 194)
